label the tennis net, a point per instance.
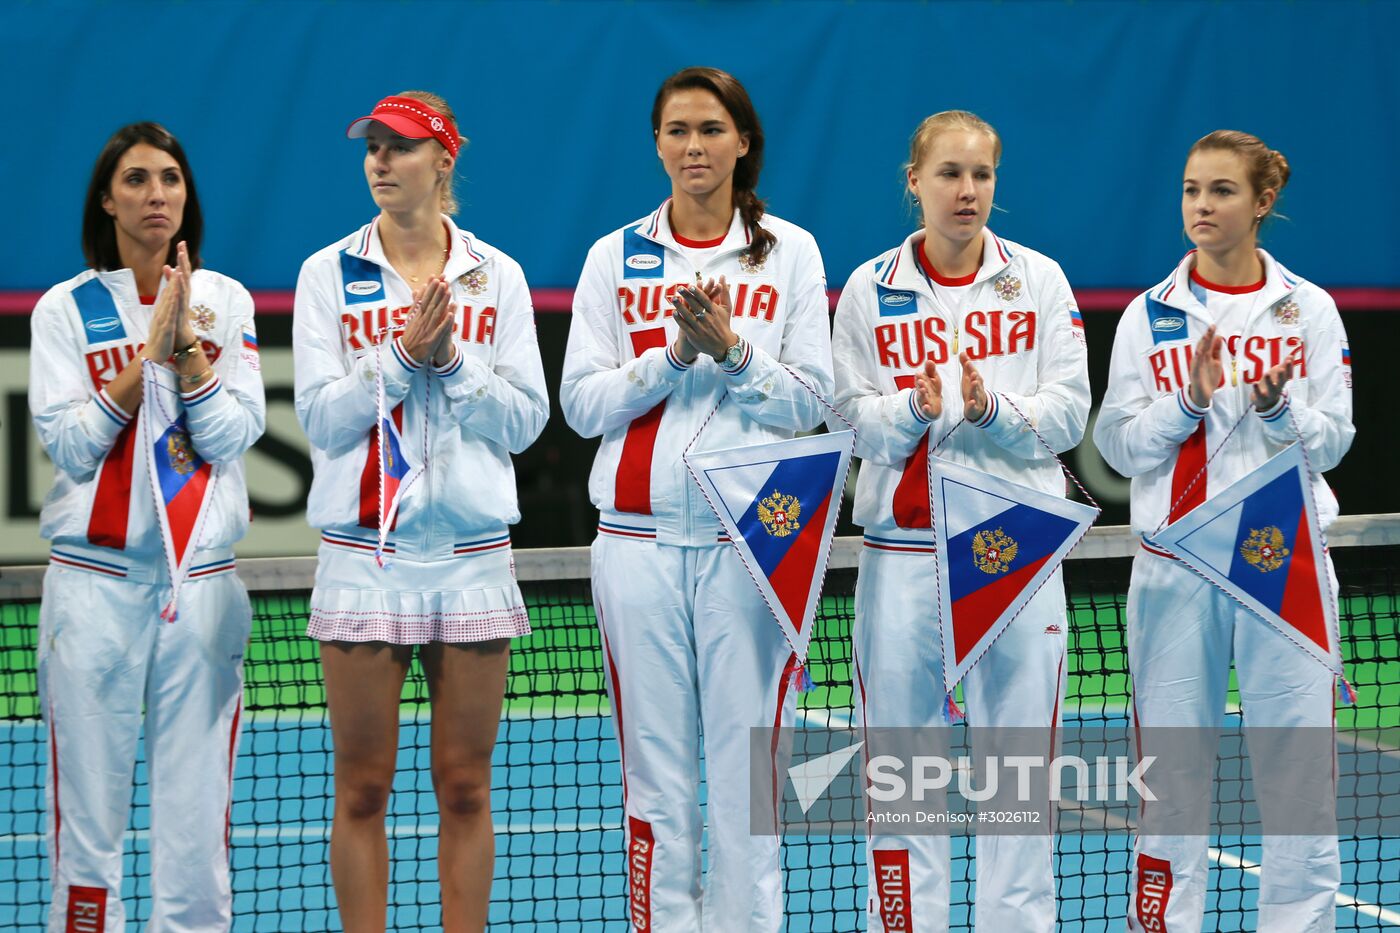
(557, 797)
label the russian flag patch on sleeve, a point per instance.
(250, 350)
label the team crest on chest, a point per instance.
(1007, 287)
(202, 318)
(474, 281)
(1287, 313)
(180, 452)
(779, 514)
(993, 550)
(749, 264)
(1263, 549)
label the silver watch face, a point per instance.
(734, 354)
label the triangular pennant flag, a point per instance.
(1258, 540)
(181, 480)
(778, 502)
(996, 543)
(400, 468)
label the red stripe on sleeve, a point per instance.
(911, 493)
(111, 504)
(632, 489)
(1190, 466)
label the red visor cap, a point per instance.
(411, 119)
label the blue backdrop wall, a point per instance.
(1097, 103)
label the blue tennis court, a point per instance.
(557, 798)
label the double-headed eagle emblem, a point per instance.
(1263, 548)
(779, 514)
(1007, 287)
(993, 550)
(202, 317)
(180, 452)
(474, 281)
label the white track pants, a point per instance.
(1020, 681)
(689, 642)
(1182, 635)
(104, 656)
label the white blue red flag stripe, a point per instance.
(181, 480)
(778, 504)
(996, 543)
(398, 468)
(1259, 541)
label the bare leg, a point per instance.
(466, 684)
(363, 684)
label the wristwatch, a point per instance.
(734, 355)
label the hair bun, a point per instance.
(1280, 167)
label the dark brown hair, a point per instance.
(735, 99)
(100, 229)
(1267, 168)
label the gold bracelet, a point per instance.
(179, 355)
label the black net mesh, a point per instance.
(557, 788)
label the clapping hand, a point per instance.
(428, 334)
(974, 390)
(702, 312)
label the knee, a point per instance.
(463, 792)
(362, 796)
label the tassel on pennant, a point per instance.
(951, 711)
(1346, 693)
(800, 678)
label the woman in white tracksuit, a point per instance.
(686, 637)
(1229, 333)
(108, 663)
(954, 327)
(417, 376)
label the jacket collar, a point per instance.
(121, 283)
(901, 269)
(467, 252)
(657, 228)
(1175, 290)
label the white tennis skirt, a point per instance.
(468, 598)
